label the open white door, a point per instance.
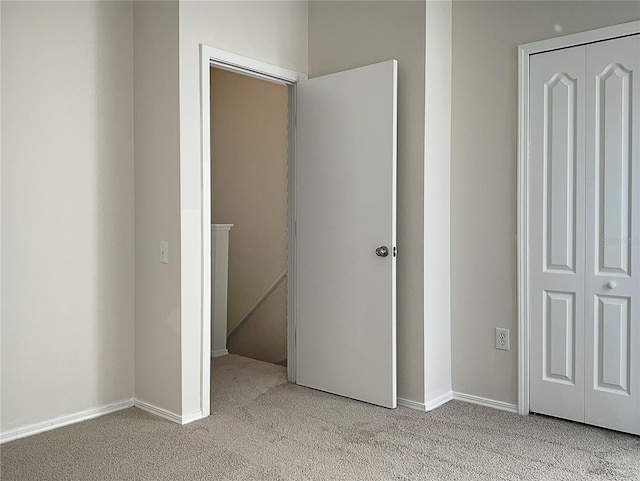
(346, 221)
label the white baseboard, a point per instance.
(60, 421)
(166, 414)
(490, 403)
(439, 401)
(158, 411)
(194, 416)
(219, 352)
(428, 406)
(408, 403)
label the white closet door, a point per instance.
(556, 262)
(612, 352)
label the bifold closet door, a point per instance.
(556, 169)
(584, 263)
(612, 316)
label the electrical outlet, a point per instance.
(502, 339)
(164, 252)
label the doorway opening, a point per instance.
(341, 232)
(226, 62)
(249, 173)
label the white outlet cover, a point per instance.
(503, 340)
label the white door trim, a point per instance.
(210, 56)
(524, 52)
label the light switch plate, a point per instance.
(502, 339)
(164, 252)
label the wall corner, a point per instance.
(437, 212)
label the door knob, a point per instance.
(611, 285)
(382, 251)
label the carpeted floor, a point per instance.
(263, 428)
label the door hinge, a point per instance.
(395, 251)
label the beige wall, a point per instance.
(68, 317)
(483, 183)
(249, 144)
(344, 35)
(68, 197)
(67, 209)
(157, 208)
(270, 31)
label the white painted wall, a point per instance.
(483, 174)
(344, 35)
(273, 32)
(437, 212)
(157, 204)
(67, 209)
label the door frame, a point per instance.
(524, 53)
(214, 57)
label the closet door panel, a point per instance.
(612, 316)
(556, 169)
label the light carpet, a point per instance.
(263, 428)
